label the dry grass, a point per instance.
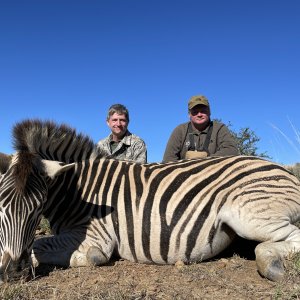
(231, 277)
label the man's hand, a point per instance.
(195, 154)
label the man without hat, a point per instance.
(200, 137)
(121, 143)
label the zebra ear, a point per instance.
(5, 161)
(54, 168)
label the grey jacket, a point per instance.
(221, 142)
(131, 147)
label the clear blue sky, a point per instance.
(68, 61)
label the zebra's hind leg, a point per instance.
(270, 255)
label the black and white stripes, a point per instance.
(160, 213)
(153, 213)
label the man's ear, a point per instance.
(54, 168)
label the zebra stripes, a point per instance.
(161, 213)
(153, 213)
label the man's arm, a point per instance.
(139, 153)
(174, 145)
(226, 143)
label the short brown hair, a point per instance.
(120, 109)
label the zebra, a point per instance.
(161, 213)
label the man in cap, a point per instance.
(200, 137)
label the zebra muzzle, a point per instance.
(15, 270)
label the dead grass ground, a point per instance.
(233, 275)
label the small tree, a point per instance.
(247, 140)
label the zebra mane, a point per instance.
(5, 161)
(52, 141)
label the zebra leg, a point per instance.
(94, 256)
(54, 250)
(269, 261)
(67, 250)
(270, 255)
(274, 229)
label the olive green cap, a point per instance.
(196, 100)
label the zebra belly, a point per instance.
(178, 249)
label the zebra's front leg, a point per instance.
(89, 256)
(69, 250)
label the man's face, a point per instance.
(118, 124)
(200, 114)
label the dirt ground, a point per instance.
(232, 275)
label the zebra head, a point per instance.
(24, 180)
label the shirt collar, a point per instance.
(125, 140)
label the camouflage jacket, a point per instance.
(131, 147)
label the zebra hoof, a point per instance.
(274, 270)
(96, 257)
(34, 261)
